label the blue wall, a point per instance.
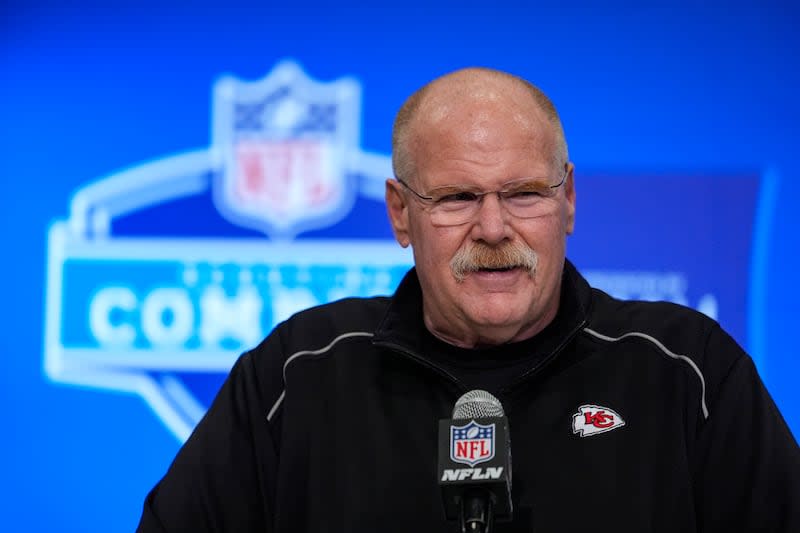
(645, 93)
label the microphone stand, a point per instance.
(476, 512)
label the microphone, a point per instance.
(475, 463)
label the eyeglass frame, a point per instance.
(480, 195)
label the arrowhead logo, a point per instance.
(595, 419)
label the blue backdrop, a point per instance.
(682, 122)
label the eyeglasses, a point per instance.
(453, 205)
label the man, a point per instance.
(624, 416)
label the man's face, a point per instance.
(485, 145)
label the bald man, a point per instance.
(624, 416)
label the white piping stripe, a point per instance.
(275, 407)
(664, 349)
(311, 352)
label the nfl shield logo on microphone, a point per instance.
(472, 443)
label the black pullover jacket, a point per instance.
(331, 424)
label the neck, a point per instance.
(479, 336)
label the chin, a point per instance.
(494, 313)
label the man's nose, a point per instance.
(492, 223)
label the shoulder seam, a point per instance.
(667, 352)
(301, 353)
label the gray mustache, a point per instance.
(477, 256)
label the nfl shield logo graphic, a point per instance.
(139, 308)
(472, 444)
(283, 145)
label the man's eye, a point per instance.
(526, 193)
(457, 197)
(523, 194)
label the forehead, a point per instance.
(498, 134)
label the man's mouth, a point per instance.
(497, 269)
(498, 278)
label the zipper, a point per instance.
(506, 391)
(421, 360)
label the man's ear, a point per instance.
(397, 209)
(569, 189)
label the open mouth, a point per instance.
(499, 269)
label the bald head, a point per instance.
(441, 103)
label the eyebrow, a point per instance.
(539, 181)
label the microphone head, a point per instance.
(477, 404)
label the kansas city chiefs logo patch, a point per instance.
(595, 419)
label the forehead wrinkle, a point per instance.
(449, 127)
